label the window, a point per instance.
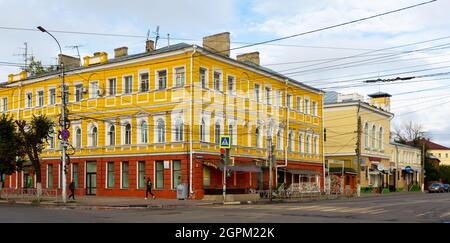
(366, 135)
(206, 176)
(256, 90)
(179, 130)
(159, 183)
(230, 84)
(380, 139)
(110, 174)
(231, 133)
(75, 174)
(112, 135)
(141, 174)
(112, 86)
(144, 82)
(29, 100)
(314, 108)
(268, 96)
(66, 94)
(93, 90)
(78, 138)
(217, 133)
(299, 104)
(316, 145)
(179, 77)
(278, 97)
(176, 173)
(40, 101)
(78, 92)
(94, 136)
(217, 81)
(144, 132)
(290, 140)
(128, 134)
(203, 131)
(51, 139)
(124, 174)
(374, 137)
(5, 104)
(308, 144)
(289, 101)
(307, 108)
(52, 96)
(258, 137)
(128, 84)
(204, 78)
(49, 176)
(279, 139)
(161, 131)
(162, 79)
(301, 143)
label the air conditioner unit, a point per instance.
(85, 90)
(100, 92)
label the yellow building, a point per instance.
(134, 116)
(439, 151)
(342, 136)
(407, 162)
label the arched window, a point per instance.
(179, 130)
(280, 139)
(203, 131)
(128, 134)
(308, 144)
(290, 140)
(78, 138)
(144, 132)
(301, 143)
(112, 135)
(366, 135)
(258, 137)
(316, 145)
(94, 137)
(51, 139)
(161, 131)
(374, 137)
(380, 138)
(217, 132)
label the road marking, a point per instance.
(376, 211)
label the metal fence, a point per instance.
(29, 193)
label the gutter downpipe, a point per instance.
(287, 127)
(191, 123)
(323, 149)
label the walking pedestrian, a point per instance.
(149, 188)
(72, 190)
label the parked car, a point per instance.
(446, 187)
(436, 187)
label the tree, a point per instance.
(33, 137)
(9, 149)
(444, 172)
(410, 133)
(35, 67)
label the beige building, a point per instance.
(408, 167)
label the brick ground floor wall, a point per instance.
(238, 179)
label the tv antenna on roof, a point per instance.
(148, 34)
(157, 36)
(78, 50)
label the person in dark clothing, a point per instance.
(149, 188)
(72, 190)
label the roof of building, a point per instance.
(330, 97)
(379, 94)
(433, 146)
(167, 49)
(402, 145)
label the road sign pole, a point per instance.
(225, 146)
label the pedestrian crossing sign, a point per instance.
(225, 142)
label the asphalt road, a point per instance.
(414, 207)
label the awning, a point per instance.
(302, 172)
(243, 168)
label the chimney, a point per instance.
(69, 61)
(120, 52)
(219, 43)
(149, 46)
(252, 57)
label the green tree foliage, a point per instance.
(444, 172)
(35, 67)
(33, 137)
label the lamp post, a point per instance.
(63, 118)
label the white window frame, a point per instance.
(75, 91)
(175, 117)
(155, 127)
(307, 101)
(124, 84)
(299, 104)
(278, 98)
(4, 104)
(90, 137)
(315, 108)
(301, 142)
(316, 145)
(374, 136)
(38, 98)
(140, 120)
(93, 94)
(289, 100)
(146, 71)
(76, 126)
(268, 97)
(206, 78)
(50, 96)
(123, 123)
(174, 77)
(233, 90)
(220, 80)
(108, 125)
(257, 95)
(157, 86)
(207, 118)
(109, 86)
(28, 99)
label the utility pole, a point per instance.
(358, 156)
(225, 157)
(423, 167)
(270, 160)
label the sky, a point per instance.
(413, 42)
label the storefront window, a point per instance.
(159, 175)
(176, 173)
(206, 177)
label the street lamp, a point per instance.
(64, 132)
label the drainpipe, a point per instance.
(191, 122)
(323, 146)
(287, 126)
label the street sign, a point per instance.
(225, 142)
(65, 134)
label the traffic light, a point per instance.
(225, 156)
(228, 173)
(222, 155)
